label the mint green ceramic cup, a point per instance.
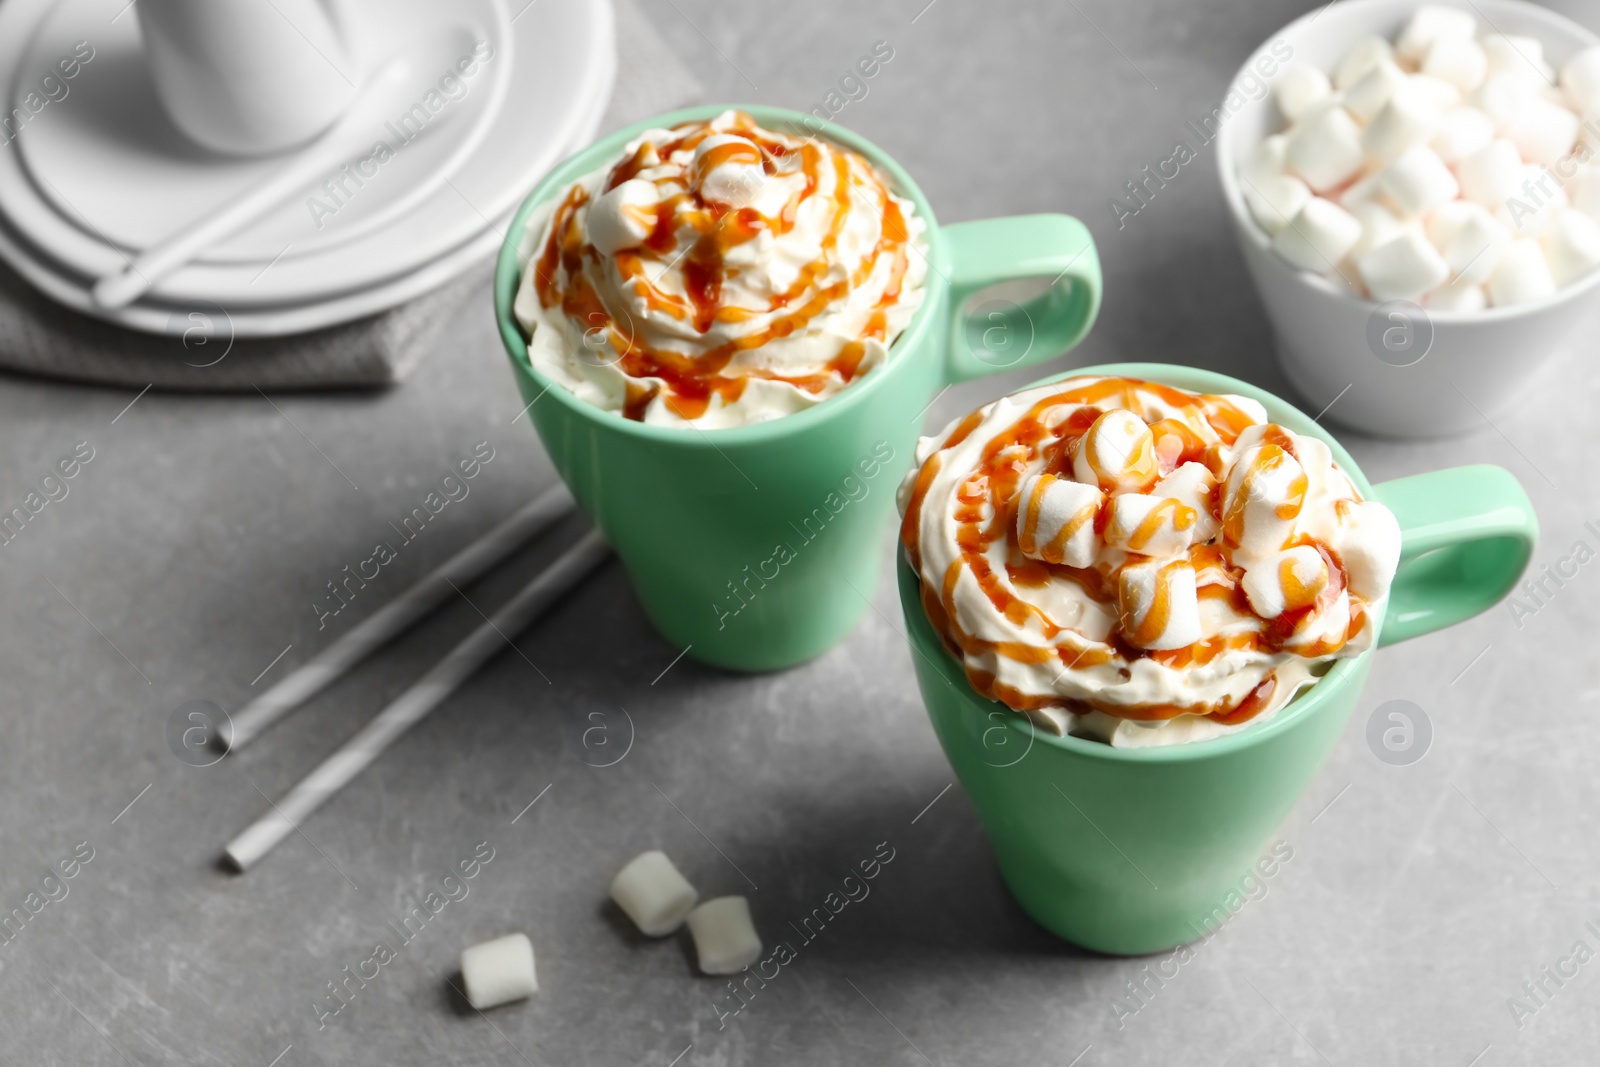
(1130, 851)
(758, 547)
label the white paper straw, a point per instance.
(354, 756)
(394, 618)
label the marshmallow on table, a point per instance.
(725, 939)
(1193, 484)
(1117, 453)
(1402, 268)
(1407, 119)
(1418, 182)
(1461, 131)
(1543, 132)
(1055, 520)
(1150, 525)
(651, 892)
(1373, 90)
(1362, 56)
(1319, 237)
(1299, 87)
(1572, 246)
(1522, 275)
(1580, 79)
(1430, 24)
(1458, 297)
(499, 971)
(623, 217)
(1326, 150)
(1285, 581)
(1491, 174)
(1158, 604)
(1474, 250)
(1275, 199)
(1460, 61)
(1262, 495)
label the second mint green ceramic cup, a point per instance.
(758, 547)
(1131, 851)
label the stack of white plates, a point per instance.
(97, 173)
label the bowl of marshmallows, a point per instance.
(1417, 193)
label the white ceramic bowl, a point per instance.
(1479, 364)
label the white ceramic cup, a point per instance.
(1339, 347)
(249, 77)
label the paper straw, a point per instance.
(354, 756)
(394, 618)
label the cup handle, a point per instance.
(989, 251)
(1466, 534)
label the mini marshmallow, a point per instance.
(1319, 237)
(1193, 484)
(725, 939)
(1580, 80)
(1150, 525)
(1431, 23)
(1055, 520)
(1475, 249)
(1361, 191)
(1457, 297)
(1446, 220)
(1584, 190)
(1543, 132)
(1276, 199)
(1299, 87)
(1460, 61)
(1368, 546)
(1406, 120)
(1158, 604)
(1402, 268)
(1365, 97)
(1521, 276)
(1326, 150)
(1502, 97)
(1378, 226)
(727, 169)
(1572, 246)
(1267, 159)
(1285, 581)
(1365, 54)
(1438, 92)
(1262, 496)
(1461, 131)
(499, 971)
(1417, 182)
(1330, 626)
(1539, 199)
(623, 217)
(1117, 453)
(651, 892)
(1491, 174)
(1521, 57)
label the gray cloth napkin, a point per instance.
(39, 336)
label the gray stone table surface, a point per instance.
(184, 562)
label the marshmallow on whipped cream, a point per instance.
(1136, 563)
(719, 274)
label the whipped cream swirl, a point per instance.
(1141, 564)
(719, 274)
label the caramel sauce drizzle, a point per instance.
(713, 230)
(986, 510)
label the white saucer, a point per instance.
(155, 316)
(359, 255)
